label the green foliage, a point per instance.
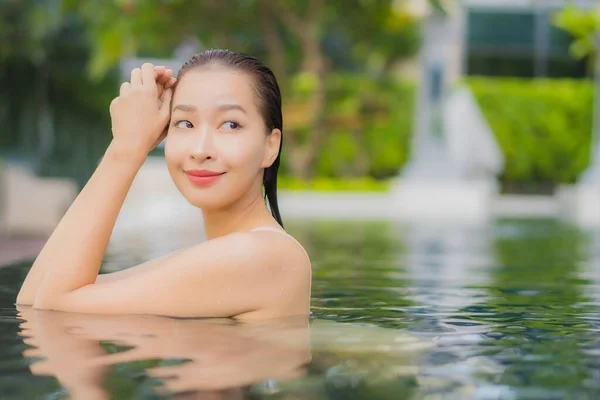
(583, 25)
(53, 91)
(393, 34)
(370, 125)
(26, 27)
(371, 30)
(304, 84)
(366, 184)
(126, 28)
(543, 126)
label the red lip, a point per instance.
(203, 177)
(202, 172)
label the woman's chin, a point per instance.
(204, 198)
(205, 203)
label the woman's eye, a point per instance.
(231, 125)
(183, 124)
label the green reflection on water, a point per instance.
(538, 308)
(535, 323)
(357, 273)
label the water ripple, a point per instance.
(501, 311)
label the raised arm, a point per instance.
(72, 256)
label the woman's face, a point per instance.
(217, 146)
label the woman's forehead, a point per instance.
(205, 87)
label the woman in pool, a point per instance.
(223, 145)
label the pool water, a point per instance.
(508, 310)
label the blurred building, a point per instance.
(518, 38)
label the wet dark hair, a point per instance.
(269, 97)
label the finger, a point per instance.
(168, 85)
(162, 80)
(113, 104)
(165, 108)
(125, 88)
(169, 73)
(164, 77)
(158, 72)
(171, 82)
(148, 75)
(136, 78)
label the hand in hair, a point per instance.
(141, 111)
(165, 80)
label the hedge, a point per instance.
(542, 126)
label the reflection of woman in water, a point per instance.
(222, 358)
(222, 148)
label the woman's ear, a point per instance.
(273, 143)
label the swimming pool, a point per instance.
(500, 311)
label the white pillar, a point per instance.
(581, 202)
(439, 182)
(592, 175)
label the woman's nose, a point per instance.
(203, 146)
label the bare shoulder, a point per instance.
(283, 243)
(281, 260)
(263, 251)
(275, 264)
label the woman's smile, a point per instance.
(203, 177)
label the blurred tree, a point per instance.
(47, 115)
(302, 40)
(26, 27)
(584, 26)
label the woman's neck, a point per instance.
(244, 215)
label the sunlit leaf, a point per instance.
(583, 25)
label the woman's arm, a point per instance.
(34, 278)
(224, 277)
(79, 241)
(72, 256)
(138, 269)
(77, 246)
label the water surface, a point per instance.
(502, 311)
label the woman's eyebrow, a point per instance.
(222, 107)
(227, 107)
(185, 108)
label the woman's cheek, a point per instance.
(242, 152)
(173, 148)
(168, 151)
(173, 157)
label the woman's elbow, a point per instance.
(43, 302)
(24, 298)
